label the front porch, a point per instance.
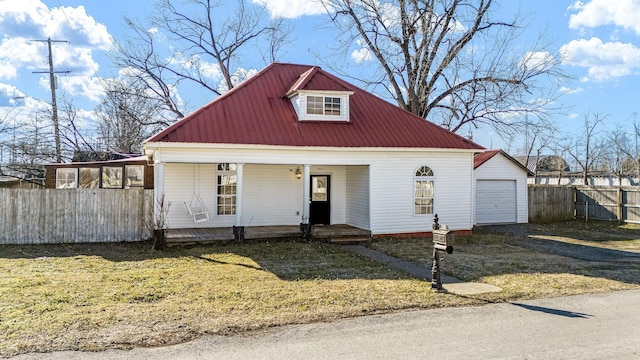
(339, 233)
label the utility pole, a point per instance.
(54, 105)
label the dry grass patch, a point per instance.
(521, 273)
(99, 296)
(93, 297)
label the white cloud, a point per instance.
(195, 63)
(537, 60)
(239, 76)
(363, 54)
(85, 86)
(576, 5)
(24, 20)
(604, 61)
(566, 90)
(9, 95)
(623, 13)
(292, 9)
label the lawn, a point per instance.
(98, 296)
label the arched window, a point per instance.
(424, 188)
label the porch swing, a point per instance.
(196, 208)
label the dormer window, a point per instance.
(318, 105)
(323, 105)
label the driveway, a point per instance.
(575, 327)
(540, 242)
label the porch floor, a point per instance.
(320, 232)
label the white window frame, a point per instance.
(226, 179)
(423, 176)
(331, 110)
(64, 183)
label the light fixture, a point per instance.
(298, 174)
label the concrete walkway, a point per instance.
(450, 284)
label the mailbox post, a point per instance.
(443, 241)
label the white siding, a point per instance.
(358, 196)
(392, 192)
(272, 195)
(501, 168)
(180, 183)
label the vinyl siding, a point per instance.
(358, 196)
(392, 191)
(272, 195)
(371, 189)
(180, 183)
(501, 168)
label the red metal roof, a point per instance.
(259, 112)
(483, 157)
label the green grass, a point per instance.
(99, 296)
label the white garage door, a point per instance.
(495, 201)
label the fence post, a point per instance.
(620, 206)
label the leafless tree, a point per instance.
(537, 137)
(450, 60)
(618, 153)
(587, 149)
(127, 116)
(31, 144)
(189, 41)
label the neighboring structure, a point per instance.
(594, 178)
(501, 189)
(134, 172)
(297, 145)
(544, 163)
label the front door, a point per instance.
(320, 208)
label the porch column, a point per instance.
(158, 195)
(306, 193)
(239, 191)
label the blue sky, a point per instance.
(598, 41)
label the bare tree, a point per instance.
(537, 137)
(587, 149)
(196, 45)
(31, 143)
(617, 154)
(127, 116)
(449, 60)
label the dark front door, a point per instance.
(320, 209)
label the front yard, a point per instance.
(97, 296)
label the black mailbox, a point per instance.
(443, 239)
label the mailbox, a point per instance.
(443, 239)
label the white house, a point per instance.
(500, 189)
(295, 145)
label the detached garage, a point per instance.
(501, 189)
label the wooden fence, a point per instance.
(548, 203)
(44, 216)
(556, 203)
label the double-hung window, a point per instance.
(226, 197)
(424, 188)
(323, 105)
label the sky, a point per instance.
(598, 42)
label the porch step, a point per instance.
(349, 239)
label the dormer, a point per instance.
(316, 97)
